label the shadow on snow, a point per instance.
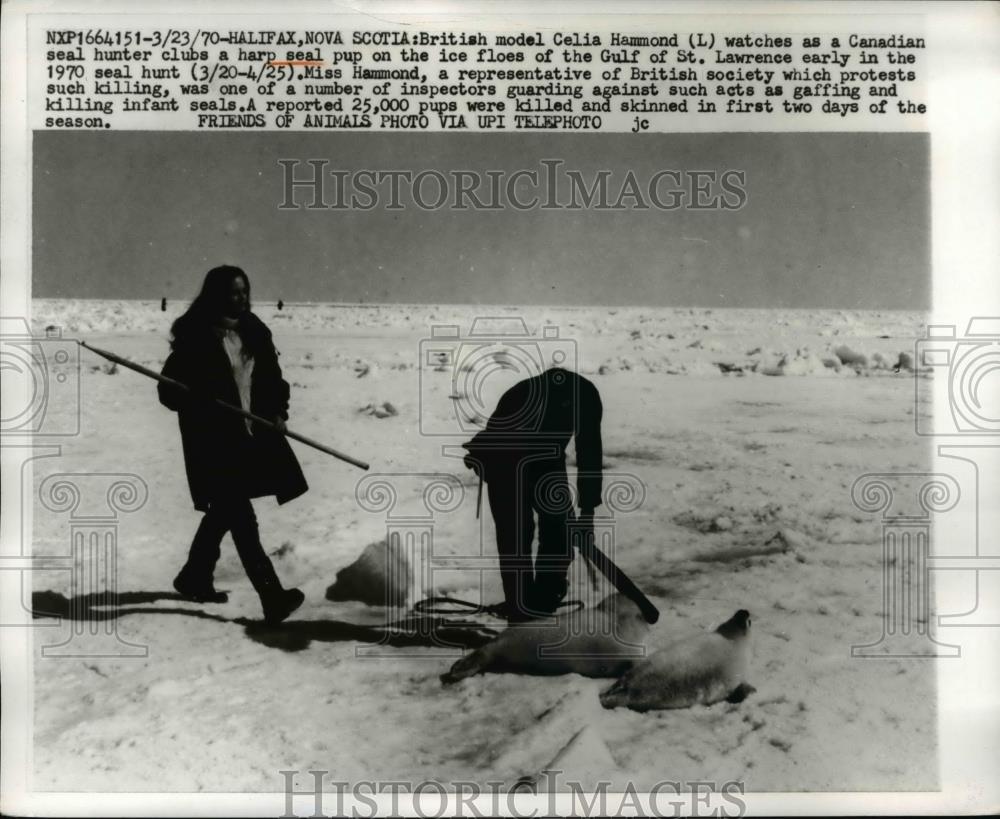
(293, 635)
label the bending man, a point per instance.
(521, 455)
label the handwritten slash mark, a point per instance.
(310, 63)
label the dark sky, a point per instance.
(831, 220)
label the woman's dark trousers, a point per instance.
(235, 515)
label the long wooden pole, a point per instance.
(225, 405)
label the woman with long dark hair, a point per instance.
(221, 350)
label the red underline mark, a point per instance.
(296, 62)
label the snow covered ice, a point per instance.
(747, 429)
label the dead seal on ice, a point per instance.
(701, 669)
(602, 641)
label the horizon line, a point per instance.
(481, 305)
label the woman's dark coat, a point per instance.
(220, 456)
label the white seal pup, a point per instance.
(702, 669)
(381, 576)
(602, 641)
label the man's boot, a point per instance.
(548, 592)
(515, 575)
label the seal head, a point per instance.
(699, 670)
(736, 626)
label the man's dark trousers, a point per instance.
(536, 487)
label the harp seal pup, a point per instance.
(703, 669)
(381, 576)
(602, 641)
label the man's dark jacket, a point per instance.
(220, 455)
(537, 416)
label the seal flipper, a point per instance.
(740, 693)
(468, 666)
(616, 695)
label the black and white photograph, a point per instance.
(361, 463)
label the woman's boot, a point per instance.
(276, 601)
